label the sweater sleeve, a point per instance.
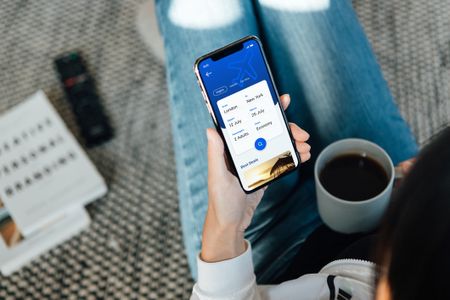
(231, 279)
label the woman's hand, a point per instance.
(405, 166)
(402, 169)
(230, 209)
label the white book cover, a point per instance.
(44, 174)
(43, 169)
(16, 250)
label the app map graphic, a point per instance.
(244, 68)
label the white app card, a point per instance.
(250, 114)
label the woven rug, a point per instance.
(133, 248)
(411, 39)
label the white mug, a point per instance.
(353, 216)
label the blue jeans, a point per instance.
(322, 58)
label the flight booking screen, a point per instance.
(247, 109)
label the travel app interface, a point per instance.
(246, 107)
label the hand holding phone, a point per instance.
(230, 209)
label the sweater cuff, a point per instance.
(226, 276)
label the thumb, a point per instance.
(216, 154)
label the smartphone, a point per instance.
(241, 97)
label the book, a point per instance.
(46, 179)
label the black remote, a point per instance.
(80, 89)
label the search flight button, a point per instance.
(260, 144)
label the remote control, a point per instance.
(85, 102)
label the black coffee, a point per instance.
(354, 177)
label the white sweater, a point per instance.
(234, 279)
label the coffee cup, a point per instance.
(353, 214)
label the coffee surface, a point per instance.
(354, 177)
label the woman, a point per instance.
(319, 53)
(412, 253)
(414, 242)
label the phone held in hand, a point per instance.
(241, 97)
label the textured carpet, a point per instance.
(133, 248)
(411, 39)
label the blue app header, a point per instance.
(233, 73)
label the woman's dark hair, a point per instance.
(414, 240)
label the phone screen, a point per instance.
(246, 107)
